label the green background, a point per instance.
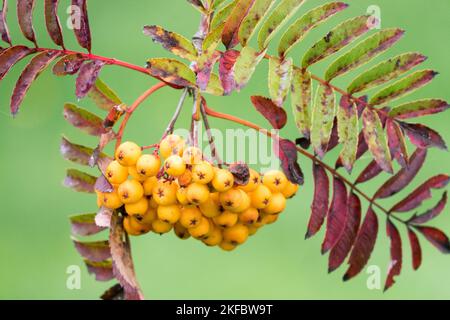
(35, 246)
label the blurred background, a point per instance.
(35, 244)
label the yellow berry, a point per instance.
(211, 207)
(170, 213)
(269, 218)
(245, 203)
(111, 200)
(182, 196)
(181, 231)
(236, 234)
(152, 203)
(149, 184)
(148, 217)
(223, 180)
(133, 228)
(192, 155)
(99, 198)
(277, 204)
(116, 173)
(165, 193)
(226, 219)
(135, 174)
(130, 191)
(160, 226)
(275, 180)
(253, 182)
(290, 190)
(128, 153)
(213, 238)
(148, 165)
(197, 193)
(227, 246)
(201, 230)
(172, 144)
(252, 229)
(186, 178)
(232, 199)
(190, 217)
(249, 216)
(260, 197)
(174, 166)
(203, 172)
(139, 207)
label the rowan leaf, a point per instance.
(286, 151)
(336, 216)
(68, 65)
(204, 67)
(104, 97)
(399, 181)
(214, 86)
(302, 26)
(245, 66)
(280, 76)
(251, 21)
(114, 293)
(25, 17)
(301, 87)
(95, 251)
(376, 139)
(38, 64)
(226, 67)
(422, 136)
(171, 71)
(348, 130)
(276, 20)
(80, 181)
(319, 206)
(197, 4)
(230, 34)
(273, 113)
(363, 52)
(52, 22)
(11, 56)
(416, 250)
(212, 40)
(336, 39)
(324, 112)
(82, 31)
(371, 171)
(431, 213)
(4, 32)
(419, 108)
(84, 225)
(396, 142)
(221, 15)
(403, 87)
(103, 217)
(171, 41)
(395, 265)
(436, 237)
(79, 154)
(103, 270)
(240, 172)
(364, 245)
(83, 119)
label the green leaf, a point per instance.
(221, 15)
(80, 181)
(323, 115)
(171, 41)
(213, 38)
(385, 71)
(103, 96)
(282, 13)
(301, 88)
(252, 20)
(245, 65)
(84, 225)
(280, 76)
(419, 108)
(348, 131)
(364, 52)
(301, 27)
(171, 71)
(96, 251)
(403, 87)
(230, 32)
(103, 270)
(336, 39)
(217, 3)
(376, 139)
(214, 86)
(83, 120)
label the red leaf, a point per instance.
(422, 136)
(273, 113)
(86, 78)
(31, 72)
(436, 237)
(11, 56)
(68, 65)
(360, 151)
(370, 172)
(319, 206)
(396, 142)
(286, 151)
(403, 177)
(94, 251)
(334, 136)
(25, 16)
(240, 172)
(395, 265)
(416, 250)
(84, 120)
(364, 244)
(52, 22)
(4, 32)
(230, 31)
(226, 65)
(84, 225)
(337, 215)
(80, 181)
(347, 239)
(103, 270)
(421, 194)
(431, 213)
(78, 153)
(82, 31)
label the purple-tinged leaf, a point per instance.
(105, 139)
(319, 206)
(171, 71)
(84, 225)
(348, 236)
(68, 65)
(80, 22)
(240, 172)
(76, 153)
(416, 249)
(371, 171)
(52, 22)
(348, 130)
(395, 265)
(364, 244)
(103, 217)
(95, 251)
(273, 113)
(396, 142)
(396, 183)
(422, 136)
(422, 193)
(431, 213)
(419, 108)
(122, 262)
(83, 119)
(103, 185)
(80, 181)
(103, 96)
(301, 88)
(11, 56)
(4, 32)
(87, 77)
(280, 77)
(204, 68)
(25, 16)
(360, 151)
(114, 293)
(337, 216)
(28, 76)
(436, 237)
(226, 66)
(103, 270)
(230, 33)
(286, 151)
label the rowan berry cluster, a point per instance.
(190, 196)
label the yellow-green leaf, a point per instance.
(245, 65)
(301, 88)
(253, 18)
(419, 108)
(214, 86)
(280, 76)
(171, 71)
(221, 15)
(103, 96)
(348, 131)
(230, 32)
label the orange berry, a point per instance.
(252, 229)
(152, 203)
(160, 226)
(149, 184)
(253, 182)
(148, 217)
(192, 155)
(182, 196)
(203, 172)
(99, 198)
(172, 144)
(233, 199)
(111, 200)
(139, 207)
(213, 238)
(133, 228)
(269, 218)
(181, 231)
(174, 166)
(245, 203)
(170, 213)
(223, 180)
(128, 153)
(290, 190)
(186, 178)
(277, 204)
(227, 246)
(201, 230)
(236, 234)
(165, 193)
(226, 219)
(197, 193)
(116, 173)
(249, 216)
(211, 207)
(190, 217)
(275, 180)
(260, 197)
(148, 165)
(130, 191)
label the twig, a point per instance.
(171, 125)
(211, 142)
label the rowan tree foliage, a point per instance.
(219, 60)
